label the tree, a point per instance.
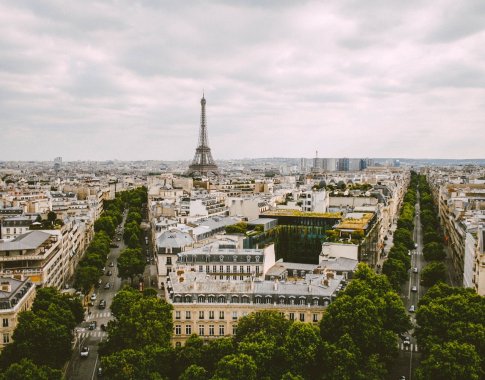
(86, 277)
(194, 372)
(26, 369)
(105, 223)
(451, 361)
(404, 237)
(51, 217)
(236, 367)
(395, 271)
(35, 336)
(147, 321)
(433, 252)
(48, 297)
(302, 348)
(433, 273)
(269, 323)
(130, 263)
(124, 300)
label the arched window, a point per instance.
(268, 299)
(212, 299)
(201, 299)
(282, 300)
(234, 299)
(222, 299)
(259, 299)
(315, 301)
(188, 298)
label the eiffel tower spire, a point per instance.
(203, 163)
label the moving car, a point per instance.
(102, 304)
(415, 270)
(92, 325)
(414, 289)
(412, 309)
(84, 352)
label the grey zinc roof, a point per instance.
(340, 264)
(29, 240)
(174, 239)
(199, 283)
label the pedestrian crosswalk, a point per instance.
(106, 314)
(408, 347)
(98, 334)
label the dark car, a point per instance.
(102, 327)
(102, 304)
(92, 325)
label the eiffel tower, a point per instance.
(203, 163)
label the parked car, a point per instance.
(111, 264)
(102, 327)
(412, 309)
(102, 304)
(93, 297)
(84, 352)
(107, 285)
(415, 270)
(100, 372)
(407, 341)
(109, 273)
(92, 325)
(414, 289)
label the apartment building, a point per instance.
(211, 307)
(16, 295)
(38, 255)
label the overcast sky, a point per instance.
(123, 79)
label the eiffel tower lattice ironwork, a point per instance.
(203, 163)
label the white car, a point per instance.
(414, 289)
(84, 352)
(415, 270)
(412, 309)
(93, 297)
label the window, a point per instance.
(234, 329)
(187, 315)
(292, 316)
(234, 315)
(221, 268)
(282, 300)
(315, 317)
(6, 338)
(201, 314)
(177, 315)
(228, 269)
(8, 230)
(258, 300)
(257, 270)
(315, 302)
(221, 314)
(241, 269)
(178, 344)
(188, 329)
(214, 268)
(211, 314)
(234, 268)
(221, 329)
(200, 299)
(178, 329)
(201, 330)
(169, 261)
(5, 322)
(211, 330)
(168, 271)
(302, 317)
(302, 301)
(248, 269)
(207, 268)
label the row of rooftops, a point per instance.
(188, 283)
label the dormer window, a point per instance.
(248, 258)
(257, 259)
(221, 258)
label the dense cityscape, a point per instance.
(270, 268)
(238, 190)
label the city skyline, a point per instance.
(90, 81)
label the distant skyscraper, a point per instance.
(57, 163)
(203, 163)
(343, 164)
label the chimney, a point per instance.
(5, 286)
